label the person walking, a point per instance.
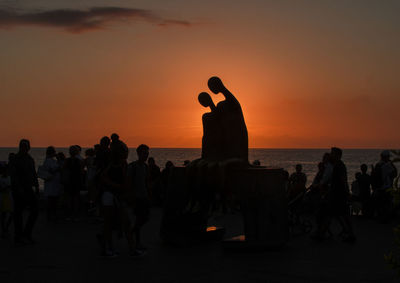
(25, 191)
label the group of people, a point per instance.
(330, 196)
(371, 192)
(118, 192)
(122, 193)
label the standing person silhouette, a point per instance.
(139, 195)
(365, 191)
(297, 182)
(52, 182)
(382, 177)
(337, 196)
(23, 180)
(113, 182)
(233, 126)
(73, 181)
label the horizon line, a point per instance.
(158, 147)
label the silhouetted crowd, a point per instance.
(330, 198)
(120, 195)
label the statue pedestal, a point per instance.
(263, 202)
(182, 227)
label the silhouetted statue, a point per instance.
(233, 126)
(224, 171)
(212, 141)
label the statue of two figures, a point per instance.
(193, 191)
(224, 148)
(220, 176)
(224, 130)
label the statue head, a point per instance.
(205, 99)
(215, 85)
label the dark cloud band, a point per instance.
(79, 21)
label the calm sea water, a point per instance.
(283, 158)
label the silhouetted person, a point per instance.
(154, 181)
(355, 186)
(356, 194)
(60, 156)
(154, 169)
(113, 180)
(318, 176)
(334, 202)
(96, 148)
(323, 179)
(297, 182)
(313, 194)
(52, 183)
(114, 138)
(6, 208)
(25, 188)
(101, 162)
(318, 190)
(339, 194)
(365, 191)
(117, 144)
(90, 178)
(233, 126)
(165, 173)
(382, 177)
(103, 154)
(89, 162)
(138, 185)
(79, 149)
(73, 181)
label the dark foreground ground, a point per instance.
(68, 252)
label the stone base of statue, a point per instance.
(185, 237)
(262, 196)
(185, 222)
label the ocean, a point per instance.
(282, 158)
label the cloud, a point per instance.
(79, 21)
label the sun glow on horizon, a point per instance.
(303, 78)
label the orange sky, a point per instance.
(312, 75)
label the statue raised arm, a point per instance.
(233, 126)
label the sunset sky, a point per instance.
(307, 73)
